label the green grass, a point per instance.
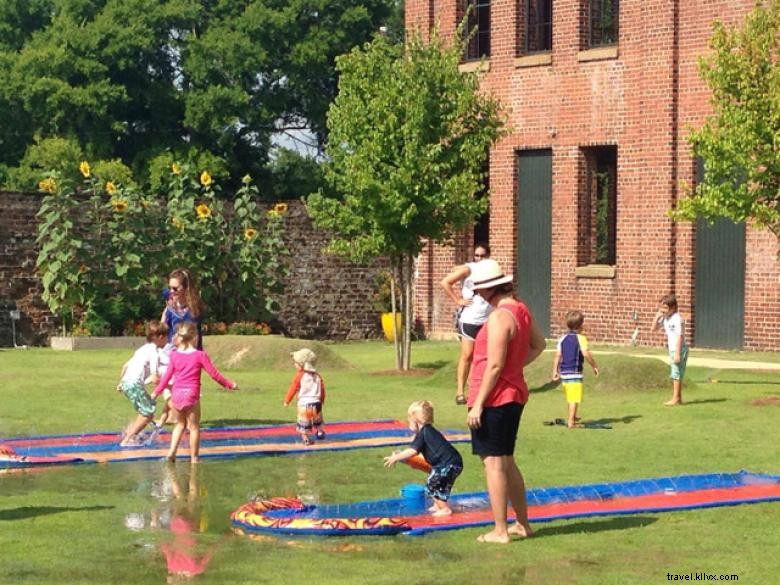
(67, 525)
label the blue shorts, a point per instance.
(678, 370)
(440, 481)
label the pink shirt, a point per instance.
(511, 385)
(185, 368)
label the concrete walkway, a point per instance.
(705, 362)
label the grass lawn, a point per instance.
(113, 523)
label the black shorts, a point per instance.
(468, 330)
(497, 433)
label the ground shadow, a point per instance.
(546, 387)
(33, 511)
(437, 365)
(618, 523)
(626, 420)
(722, 381)
(703, 401)
(241, 422)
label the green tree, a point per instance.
(135, 79)
(740, 142)
(409, 136)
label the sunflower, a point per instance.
(205, 179)
(176, 169)
(272, 213)
(250, 233)
(203, 211)
(84, 168)
(48, 185)
(119, 205)
(111, 188)
(246, 179)
(280, 208)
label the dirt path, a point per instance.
(705, 362)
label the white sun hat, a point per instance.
(487, 274)
(305, 358)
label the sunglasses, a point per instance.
(175, 288)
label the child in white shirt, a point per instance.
(673, 325)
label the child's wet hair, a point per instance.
(186, 332)
(422, 411)
(156, 329)
(574, 320)
(670, 301)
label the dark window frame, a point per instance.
(479, 18)
(603, 19)
(597, 209)
(543, 29)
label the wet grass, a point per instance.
(114, 523)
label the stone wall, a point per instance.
(326, 297)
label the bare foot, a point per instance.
(171, 458)
(432, 509)
(442, 512)
(520, 530)
(494, 538)
(673, 403)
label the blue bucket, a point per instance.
(413, 495)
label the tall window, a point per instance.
(482, 225)
(538, 26)
(598, 206)
(478, 28)
(603, 20)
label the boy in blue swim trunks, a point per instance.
(570, 357)
(445, 461)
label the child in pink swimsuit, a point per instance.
(185, 367)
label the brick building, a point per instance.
(600, 95)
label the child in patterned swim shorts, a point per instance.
(445, 461)
(138, 371)
(310, 387)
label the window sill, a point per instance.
(481, 66)
(598, 54)
(533, 60)
(595, 271)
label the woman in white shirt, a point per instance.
(473, 311)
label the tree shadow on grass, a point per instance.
(437, 365)
(33, 511)
(617, 523)
(242, 422)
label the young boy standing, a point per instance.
(571, 354)
(673, 325)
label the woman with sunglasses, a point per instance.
(472, 313)
(183, 305)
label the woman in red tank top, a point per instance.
(497, 395)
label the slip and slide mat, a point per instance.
(225, 442)
(408, 514)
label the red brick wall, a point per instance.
(643, 99)
(325, 297)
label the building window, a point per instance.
(478, 27)
(603, 23)
(598, 206)
(537, 32)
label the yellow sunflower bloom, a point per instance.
(280, 208)
(203, 211)
(111, 188)
(119, 205)
(48, 185)
(84, 168)
(250, 233)
(176, 169)
(205, 179)
(272, 213)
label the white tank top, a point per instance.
(478, 311)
